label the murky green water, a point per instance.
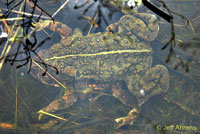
(175, 111)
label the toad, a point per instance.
(120, 55)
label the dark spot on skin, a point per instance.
(119, 64)
(91, 81)
(77, 74)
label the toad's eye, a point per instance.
(131, 4)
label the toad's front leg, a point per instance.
(58, 27)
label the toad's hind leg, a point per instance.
(68, 99)
(154, 82)
(128, 99)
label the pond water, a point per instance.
(119, 79)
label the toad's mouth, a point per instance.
(101, 53)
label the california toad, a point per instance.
(120, 54)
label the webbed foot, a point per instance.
(129, 119)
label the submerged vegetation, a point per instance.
(21, 35)
(21, 96)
